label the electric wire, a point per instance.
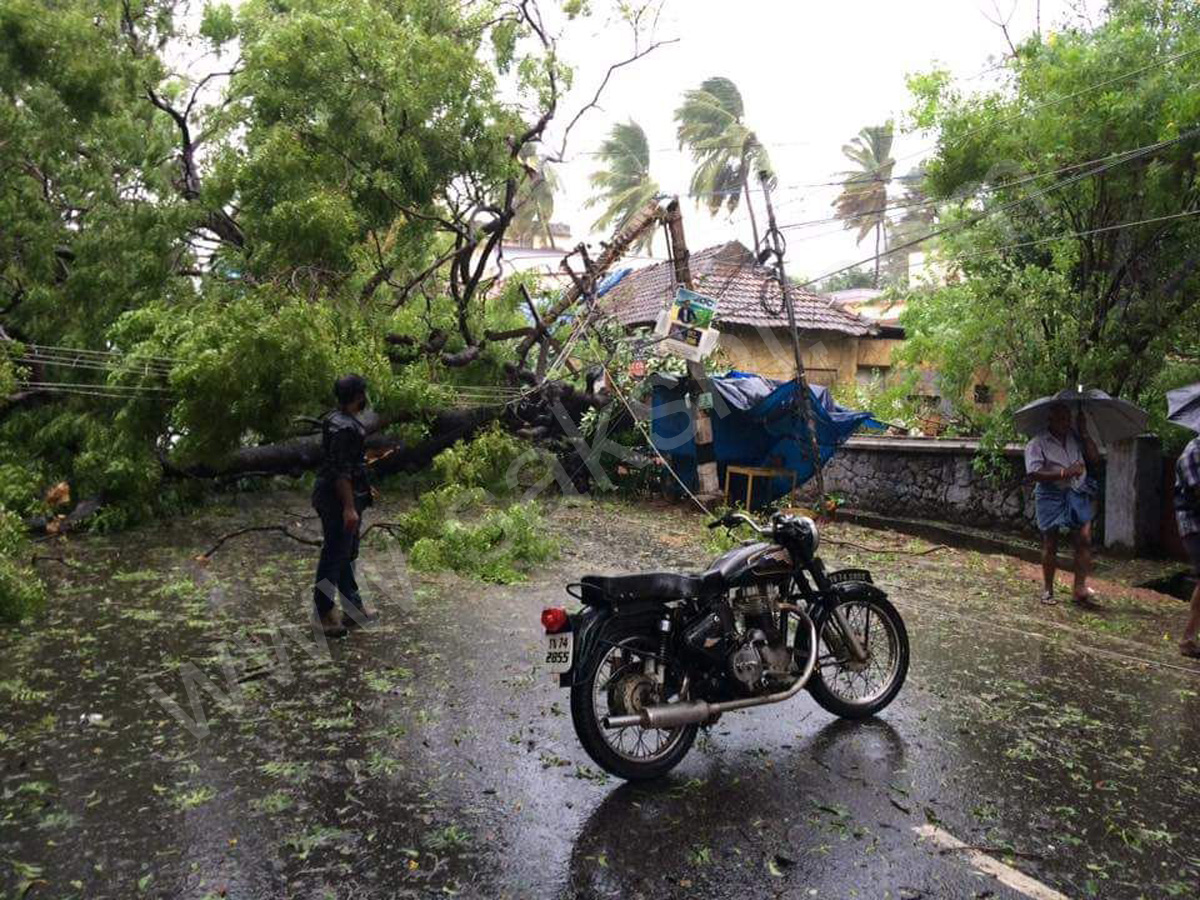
(1024, 179)
(90, 366)
(866, 174)
(985, 214)
(86, 390)
(1025, 112)
(31, 347)
(1065, 235)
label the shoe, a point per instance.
(1189, 648)
(1087, 599)
(331, 623)
(360, 615)
(1048, 598)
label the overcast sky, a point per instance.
(811, 75)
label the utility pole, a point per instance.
(706, 459)
(785, 286)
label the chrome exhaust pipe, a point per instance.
(688, 712)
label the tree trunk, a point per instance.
(302, 454)
(878, 235)
(750, 210)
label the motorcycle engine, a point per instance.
(746, 662)
(760, 653)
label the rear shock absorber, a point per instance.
(664, 645)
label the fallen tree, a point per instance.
(202, 253)
(392, 454)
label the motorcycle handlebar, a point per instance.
(730, 519)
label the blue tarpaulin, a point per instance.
(756, 422)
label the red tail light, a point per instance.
(554, 620)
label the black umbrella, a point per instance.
(1109, 419)
(1183, 406)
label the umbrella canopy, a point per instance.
(1183, 406)
(1109, 419)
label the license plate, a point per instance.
(559, 649)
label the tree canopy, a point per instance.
(1069, 197)
(710, 123)
(863, 200)
(203, 222)
(623, 185)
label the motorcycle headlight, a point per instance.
(814, 532)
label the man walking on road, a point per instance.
(1057, 460)
(1187, 515)
(340, 495)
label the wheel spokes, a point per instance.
(853, 681)
(632, 742)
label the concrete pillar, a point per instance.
(1133, 495)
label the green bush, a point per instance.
(433, 510)
(484, 461)
(892, 399)
(22, 593)
(499, 547)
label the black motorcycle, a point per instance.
(652, 657)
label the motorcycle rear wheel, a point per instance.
(858, 690)
(615, 682)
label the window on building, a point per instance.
(868, 375)
(821, 377)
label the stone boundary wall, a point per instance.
(930, 478)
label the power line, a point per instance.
(1024, 179)
(111, 392)
(129, 388)
(1059, 237)
(1038, 106)
(31, 347)
(676, 149)
(70, 362)
(958, 226)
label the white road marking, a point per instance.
(1006, 875)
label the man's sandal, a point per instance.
(1189, 648)
(1087, 598)
(1048, 598)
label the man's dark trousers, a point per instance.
(335, 568)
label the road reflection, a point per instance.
(750, 807)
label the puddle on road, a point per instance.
(430, 754)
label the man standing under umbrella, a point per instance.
(1056, 460)
(1183, 408)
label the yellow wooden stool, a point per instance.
(752, 472)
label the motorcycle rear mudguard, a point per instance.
(589, 625)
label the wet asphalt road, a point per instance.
(432, 756)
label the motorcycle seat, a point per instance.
(663, 586)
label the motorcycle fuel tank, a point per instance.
(757, 559)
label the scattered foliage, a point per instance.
(21, 591)
(499, 546)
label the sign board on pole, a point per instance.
(686, 326)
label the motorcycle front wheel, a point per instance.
(857, 689)
(621, 679)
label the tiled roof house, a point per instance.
(750, 314)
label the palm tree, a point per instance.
(727, 153)
(535, 201)
(862, 203)
(624, 185)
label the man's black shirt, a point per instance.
(343, 455)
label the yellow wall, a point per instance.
(877, 351)
(830, 357)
